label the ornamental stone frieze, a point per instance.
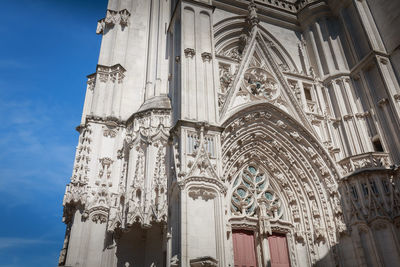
(112, 73)
(105, 73)
(371, 160)
(113, 18)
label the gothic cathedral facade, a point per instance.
(239, 133)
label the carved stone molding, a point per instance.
(363, 161)
(184, 182)
(91, 82)
(203, 193)
(110, 129)
(363, 115)
(206, 261)
(105, 73)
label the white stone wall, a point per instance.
(191, 99)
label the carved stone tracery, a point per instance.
(143, 202)
(261, 84)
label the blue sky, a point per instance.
(47, 47)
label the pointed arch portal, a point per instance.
(283, 184)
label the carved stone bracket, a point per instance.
(222, 188)
(110, 129)
(104, 73)
(383, 102)
(206, 56)
(204, 193)
(189, 52)
(112, 18)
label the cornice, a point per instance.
(267, 12)
(196, 124)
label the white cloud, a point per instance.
(9, 242)
(13, 64)
(35, 157)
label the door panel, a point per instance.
(279, 251)
(243, 249)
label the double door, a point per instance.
(245, 252)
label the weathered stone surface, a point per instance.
(205, 120)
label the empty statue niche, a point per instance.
(141, 247)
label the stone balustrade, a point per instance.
(282, 4)
(364, 161)
(302, 3)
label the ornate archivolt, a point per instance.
(253, 188)
(264, 137)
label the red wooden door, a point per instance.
(243, 248)
(279, 251)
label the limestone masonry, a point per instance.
(239, 133)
